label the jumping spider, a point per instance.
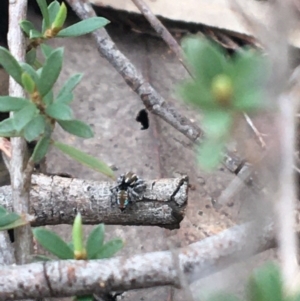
(129, 189)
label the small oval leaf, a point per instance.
(18, 223)
(59, 111)
(84, 158)
(83, 27)
(28, 83)
(95, 241)
(35, 128)
(7, 128)
(26, 26)
(8, 218)
(60, 17)
(77, 235)
(69, 85)
(50, 71)
(53, 243)
(44, 10)
(27, 68)
(53, 9)
(35, 34)
(41, 149)
(31, 56)
(110, 248)
(24, 116)
(48, 99)
(10, 64)
(46, 49)
(9, 103)
(77, 128)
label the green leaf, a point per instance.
(50, 71)
(35, 128)
(47, 50)
(7, 128)
(10, 103)
(41, 149)
(24, 116)
(26, 26)
(31, 56)
(2, 211)
(53, 9)
(205, 58)
(109, 249)
(210, 154)
(250, 101)
(53, 243)
(198, 95)
(266, 284)
(10, 64)
(27, 68)
(48, 99)
(28, 83)
(69, 86)
(35, 34)
(65, 98)
(83, 27)
(18, 223)
(38, 258)
(84, 158)
(95, 241)
(85, 298)
(8, 218)
(60, 17)
(44, 9)
(217, 123)
(59, 111)
(77, 128)
(77, 235)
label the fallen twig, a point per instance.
(56, 200)
(69, 278)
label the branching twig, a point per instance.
(56, 200)
(162, 31)
(153, 101)
(69, 278)
(20, 179)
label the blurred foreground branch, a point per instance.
(56, 200)
(69, 278)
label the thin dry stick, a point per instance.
(20, 179)
(162, 31)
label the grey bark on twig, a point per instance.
(69, 278)
(56, 200)
(20, 176)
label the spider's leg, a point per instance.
(113, 196)
(136, 195)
